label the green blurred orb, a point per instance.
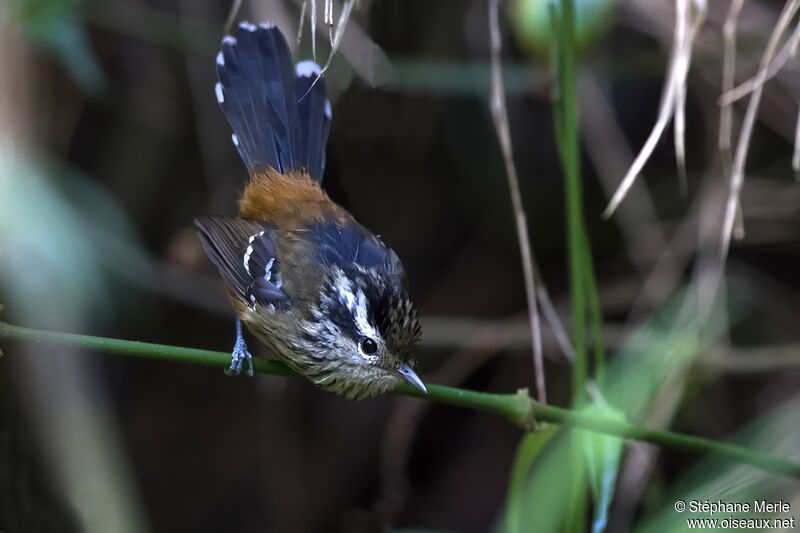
(531, 20)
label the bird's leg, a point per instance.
(239, 354)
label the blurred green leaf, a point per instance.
(530, 447)
(46, 262)
(531, 22)
(548, 486)
(603, 453)
(60, 233)
(662, 347)
(714, 480)
(56, 26)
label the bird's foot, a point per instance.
(240, 354)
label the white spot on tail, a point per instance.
(218, 91)
(235, 139)
(328, 110)
(306, 69)
(220, 59)
(249, 26)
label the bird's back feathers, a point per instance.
(288, 200)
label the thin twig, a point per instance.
(497, 104)
(787, 52)
(300, 26)
(336, 39)
(682, 17)
(672, 100)
(237, 4)
(728, 74)
(743, 144)
(518, 408)
(664, 115)
(609, 153)
(328, 19)
(726, 112)
(314, 30)
(313, 17)
(562, 339)
(796, 154)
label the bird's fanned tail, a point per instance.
(280, 115)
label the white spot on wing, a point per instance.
(235, 139)
(246, 259)
(229, 39)
(267, 25)
(220, 94)
(306, 69)
(268, 268)
(220, 59)
(328, 110)
(249, 26)
(249, 251)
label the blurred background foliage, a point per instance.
(111, 142)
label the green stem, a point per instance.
(566, 129)
(518, 408)
(595, 314)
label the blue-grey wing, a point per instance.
(245, 253)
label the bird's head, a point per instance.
(371, 328)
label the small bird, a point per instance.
(323, 293)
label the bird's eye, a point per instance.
(368, 346)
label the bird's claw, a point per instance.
(238, 356)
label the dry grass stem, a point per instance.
(314, 30)
(303, 9)
(237, 4)
(497, 105)
(562, 339)
(786, 54)
(689, 17)
(328, 18)
(726, 112)
(609, 153)
(743, 144)
(728, 74)
(681, 32)
(336, 38)
(796, 154)
(313, 17)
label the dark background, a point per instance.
(123, 137)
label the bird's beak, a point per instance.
(409, 375)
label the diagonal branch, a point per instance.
(519, 408)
